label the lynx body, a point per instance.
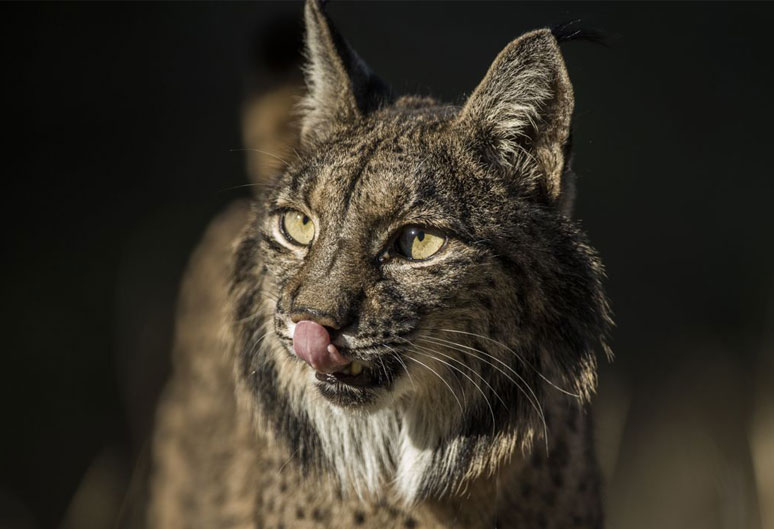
(402, 332)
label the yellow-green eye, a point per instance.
(297, 227)
(418, 243)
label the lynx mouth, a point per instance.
(354, 374)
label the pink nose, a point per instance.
(312, 344)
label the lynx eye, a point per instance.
(297, 227)
(417, 243)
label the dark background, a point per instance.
(120, 124)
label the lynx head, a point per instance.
(413, 284)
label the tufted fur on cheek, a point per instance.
(341, 87)
(520, 115)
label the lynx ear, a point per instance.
(340, 85)
(521, 112)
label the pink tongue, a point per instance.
(312, 344)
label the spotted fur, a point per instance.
(485, 355)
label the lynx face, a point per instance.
(427, 253)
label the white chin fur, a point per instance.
(361, 447)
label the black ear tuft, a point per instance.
(573, 31)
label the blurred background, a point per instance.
(122, 125)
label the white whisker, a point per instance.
(442, 380)
(405, 368)
(519, 357)
(489, 404)
(531, 396)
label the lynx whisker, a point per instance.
(260, 341)
(462, 411)
(533, 399)
(456, 346)
(259, 151)
(520, 358)
(259, 313)
(397, 357)
(494, 391)
(253, 184)
(384, 368)
(488, 403)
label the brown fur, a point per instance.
(477, 352)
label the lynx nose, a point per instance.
(312, 344)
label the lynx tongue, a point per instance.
(312, 344)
